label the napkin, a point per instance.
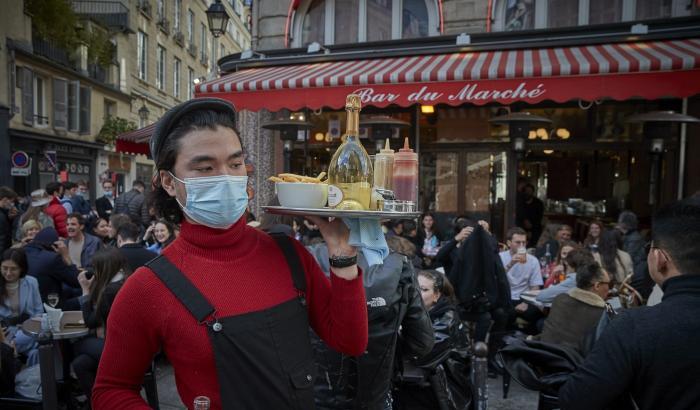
(367, 235)
(55, 316)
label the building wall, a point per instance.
(464, 16)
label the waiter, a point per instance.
(229, 305)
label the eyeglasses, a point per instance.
(604, 283)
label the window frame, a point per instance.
(329, 29)
(161, 55)
(190, 26)
(190, 83)
(177, 16)
(177, 65)
(142, 55)
(39, 83)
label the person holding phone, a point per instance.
(51, 265)
(100, 284)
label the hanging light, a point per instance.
(532, 135)
(563, 133)
(218, 18)
(427, 109)
(144, 112)
(548, 151)
(319, 136)
(542, 133)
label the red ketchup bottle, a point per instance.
(406, 174)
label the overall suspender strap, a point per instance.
(182, 288)
(290, 254)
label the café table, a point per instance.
(72, 327)
(530, 297)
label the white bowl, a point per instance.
(302, 195)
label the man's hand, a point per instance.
(85, 283)
(521, 307)
(484, 225)
(464, 234)
(60, 248)
(336, 234)
(12, 213)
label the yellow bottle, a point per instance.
(350, 173)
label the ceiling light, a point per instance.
(548, 151)
(319, 136)
(427, 109)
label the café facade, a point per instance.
(588, 163)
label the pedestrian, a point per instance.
(105, 204)
(133, 203)
(650, 354)
(55, 210)
(229, 305)
(7, 213)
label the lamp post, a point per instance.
(519, 125)
(218, 18)
(657, 128)
(144, 112)
(289, 129)
(383, 127)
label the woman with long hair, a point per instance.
(612, 258)
(162, 233)
(595, 230)
(101, 230)
(428, 239)
(19, 301)
(559, 267)
(100, 286)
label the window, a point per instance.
(60, 103)
(604, 11)
(414, 16)
(176, 17)
(562, 13)
(41, 118)
(141, 55)
(520, 15)
(346, 17)
(349, 21)
(84, 105)
(190, 26)
(176, 78)
(203, 43)
(110, 108)
(214, 50)
(160, 8)
(379, 16)
(160, 68)
(190, 83)
(653, 9)
(73, 106)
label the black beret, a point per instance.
(170, 119)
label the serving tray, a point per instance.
(336, 213)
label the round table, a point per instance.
(72, 326)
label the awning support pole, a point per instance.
(681, 152)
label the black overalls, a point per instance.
(263, 359)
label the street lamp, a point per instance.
(519, 126)
(657, 128)
(144, 112)
(289, 130)
(218, 18)
(383, 127)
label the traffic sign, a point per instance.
(20, 159)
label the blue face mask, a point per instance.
(109, 194)
(217, 202)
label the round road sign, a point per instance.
(20, 159)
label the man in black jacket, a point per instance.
(105, 203)
(393, 302)
(127, 242)
(651, 353)
(7, 212)
(133, 203)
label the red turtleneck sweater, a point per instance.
(239, 270)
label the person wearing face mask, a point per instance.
(229, 305)
(105, 204)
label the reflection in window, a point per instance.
(562, 13)
(520, 15)
(653, 9)
(314, 23)
(346, 16)
(378, 20)
(415, 19)
(605, 11)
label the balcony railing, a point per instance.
(112, 14)
(51, 51)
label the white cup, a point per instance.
(55, 319)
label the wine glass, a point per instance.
(52, 299)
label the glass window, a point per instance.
(314, 26)
(653, 9)
(379, 20)
(346, 21)
(520, 15)
(562, 13)
(414, 19)
(40, 116)
(176, 19)
(190, 26)
(160, 68)
(203, 42)
(176, 78)
(438, 181)
(160, 4)
(190, 83)
(605, 11)
(142, 45)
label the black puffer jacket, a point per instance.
(393, 301)
(133, 203)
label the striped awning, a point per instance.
(649, 70)
(136, 141)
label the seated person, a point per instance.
(19, 301)
(564, 233)
(523, 271)
(575, 314)
(51, 265)
(573, 261)
(556, 271)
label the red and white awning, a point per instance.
(620, 71)
(136, 141)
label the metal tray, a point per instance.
(330, 212)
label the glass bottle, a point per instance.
(406, 174)
(201, 403)
(350, 174)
